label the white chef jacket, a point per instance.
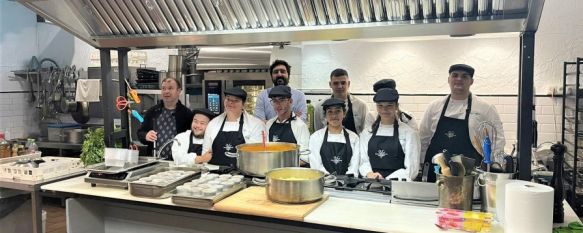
(316, 141)
(300, 131)
(180, 152)
(359, 110)
(409, 139)
(371, 117)
(481, 112)
(264, 110)
(252, 128)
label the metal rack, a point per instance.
(572, 131)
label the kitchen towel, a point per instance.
(528, 208)
(88, 90)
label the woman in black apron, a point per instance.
(384, 153)
(335, 157)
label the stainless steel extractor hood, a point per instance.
(183, 23)
(234, 58)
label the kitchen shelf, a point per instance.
(149, 91)
(572, 132)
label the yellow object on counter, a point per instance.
(469, 221)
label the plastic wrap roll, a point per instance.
(528, 208)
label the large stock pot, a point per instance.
(255, 159)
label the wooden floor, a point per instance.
(56, 219)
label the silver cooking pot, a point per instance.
(294, 185)
(256, 160)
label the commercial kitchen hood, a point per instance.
(185, 23)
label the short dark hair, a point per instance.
(338, 72)
(175, 80)
(279, 62)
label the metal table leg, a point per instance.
(37, 216)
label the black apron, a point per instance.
(282, 132)
(335, 155)
(194, 148)
(348, 121)
(385, 152)
(452, 135)
(227, 141)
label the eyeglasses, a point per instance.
(279, 100)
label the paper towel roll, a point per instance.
(500, 198)
(528, 208)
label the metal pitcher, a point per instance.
(488, 182)
(456, 192)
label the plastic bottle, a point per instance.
(310, 117)
(5, 150)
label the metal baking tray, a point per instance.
(159, 191)
(102, 168)
(205, 202)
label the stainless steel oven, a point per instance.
(216, 82)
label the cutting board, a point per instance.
(254, 201)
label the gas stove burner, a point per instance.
(344, 182)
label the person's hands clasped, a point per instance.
(151, 136)
(204, 158)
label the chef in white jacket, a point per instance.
(286, 127)
(231, 128)
(188, 150)
(334, 149)
(389, 148)
(452, 122)
(402, 115)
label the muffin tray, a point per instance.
(207, 190)
(159, 182)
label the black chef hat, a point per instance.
(205, 112)
(462, 67)
(237, 92)
(333, 102)
(386, 95)
(384, 83)
(280, 91)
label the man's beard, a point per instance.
(280, 81)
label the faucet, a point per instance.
(164, 145)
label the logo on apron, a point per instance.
(450, 134)
(381, 153)
(228, 147)
(336, 160)
(275, 138)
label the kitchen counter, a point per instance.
(119, 209)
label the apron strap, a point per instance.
(468, 109)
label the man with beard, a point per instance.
(280, 71)
(189, 149)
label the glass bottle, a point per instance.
(31, 146)
(310, 117)
(5, 150)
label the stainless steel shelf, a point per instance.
(149, 92)
(59, 145)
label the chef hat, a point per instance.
(386, 95)
(237, 92)
(205, 112)
(462, 67)
(384, 83)
(280, 91)
(333, 102)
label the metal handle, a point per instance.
(305, 152)
(481, 177)
(232, 155)
(258, 181)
